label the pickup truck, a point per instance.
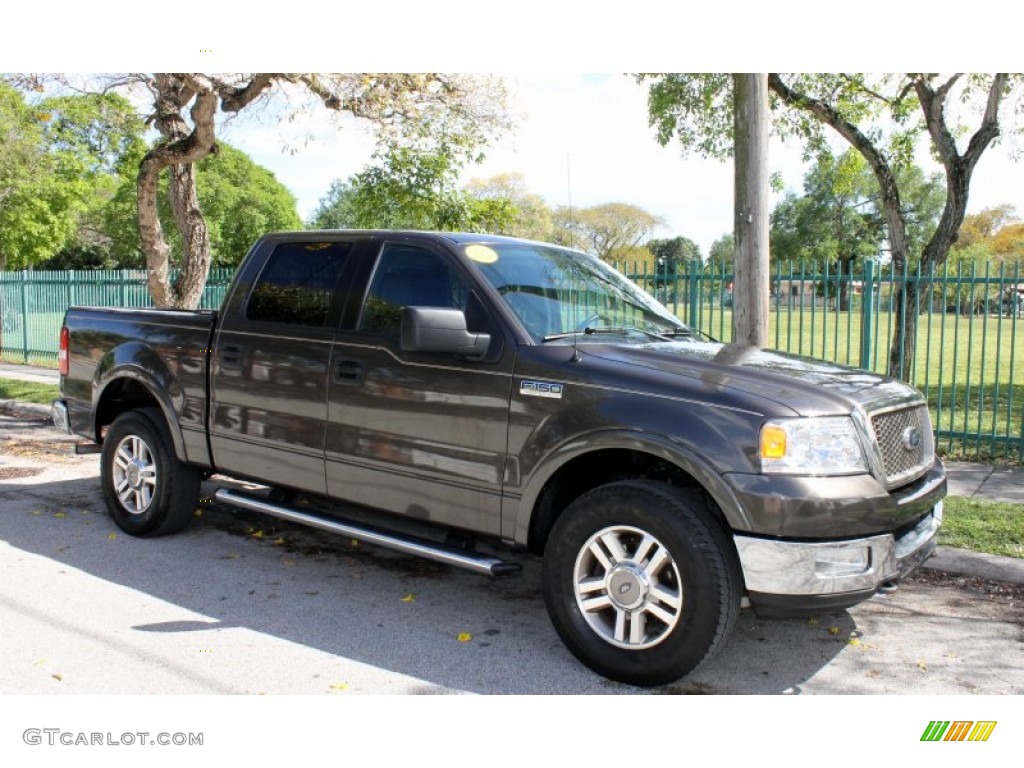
(459, 396)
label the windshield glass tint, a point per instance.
(556, 291)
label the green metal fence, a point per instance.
(969, 328)
(969, 334)
(32, 304)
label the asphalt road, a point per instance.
(240, 603)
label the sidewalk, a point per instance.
(32, 373)
(966, 479)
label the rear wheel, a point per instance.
(640, 581)
(148, 491)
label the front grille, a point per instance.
(905, 443)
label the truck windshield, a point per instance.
(560, 294)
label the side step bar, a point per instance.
(410, 545)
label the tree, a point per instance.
(674, 251)
(839, 220)
(61, 159)
(882, 118)
(533, 217)
(240, 199)
(336, 209)
(722, 252)
(611, 231)
(428, 109)
(410, 189)
(997, 232)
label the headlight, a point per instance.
(814, 446)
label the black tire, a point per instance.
(148, 491)
(659, 576)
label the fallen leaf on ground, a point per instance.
(410, 598)
(464, 637)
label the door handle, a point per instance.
(348, 371)
(231, 356)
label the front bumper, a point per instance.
(797, 577)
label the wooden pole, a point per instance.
(751, 284)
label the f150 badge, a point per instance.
(541, 389)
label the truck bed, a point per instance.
(169, 349)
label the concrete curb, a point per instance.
(979, 564)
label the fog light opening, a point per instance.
(843, 561)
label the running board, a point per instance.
(410, 545)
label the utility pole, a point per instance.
(750, 261)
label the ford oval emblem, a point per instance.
(912, 438)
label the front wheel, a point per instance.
(640, 581)
(148, 491)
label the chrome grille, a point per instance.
(903, 457)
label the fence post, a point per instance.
(866, 307)
(694, 295)
(24, 315)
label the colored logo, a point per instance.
(958, 730)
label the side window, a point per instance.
(407, 276)
(297, 283)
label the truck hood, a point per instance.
(808, 386)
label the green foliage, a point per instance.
(412, 188)
(611, 231)
(240, 199)
(61, 162)
(532, 219)
(694, 109)
(37, 211)
(723, 250)
(840, 217)
(670, 254)
(998, 229)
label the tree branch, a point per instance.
(827, 114)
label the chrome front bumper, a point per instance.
(855, 568)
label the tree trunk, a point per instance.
(959, 169)
(751, 283)
(177, 149)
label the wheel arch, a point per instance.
(582, 465)
(130, 377)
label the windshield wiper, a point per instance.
(614, 331)
(683, 333)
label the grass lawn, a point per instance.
(27, 391)
(983, 526)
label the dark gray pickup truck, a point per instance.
(440, 393)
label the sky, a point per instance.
(580, 139)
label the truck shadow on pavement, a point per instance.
(403, 614)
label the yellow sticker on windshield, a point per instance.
(482, 253)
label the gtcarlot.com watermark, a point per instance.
(56, 737)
